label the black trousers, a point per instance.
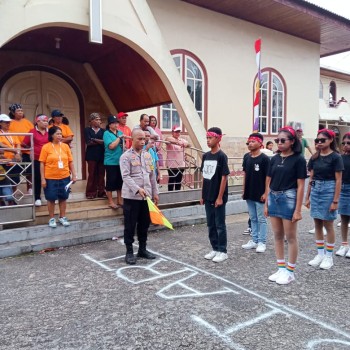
(37, 180)
(175, 178)
(136, 215)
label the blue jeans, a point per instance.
(217, 226)
(259, 221)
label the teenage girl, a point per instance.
(344, 201)
(284, 190)
(325, 167)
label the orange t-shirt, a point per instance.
(50, 155)
(66, 130)
(9, 142)
(23, 125)
(126, 131)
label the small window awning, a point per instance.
(329, 116)
(345, 118)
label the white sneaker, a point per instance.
(275, 275)
(285, 278)
(261, 248)
(64, 221)
(219, 257)
(210, 255)
(342, 250)
(250, 245)
(247, 231)
(37, 203)
(348, 254)
(52, 223)
(338, 224)
(30, 191)
(316, 261)
(324, 231)
(327, 262)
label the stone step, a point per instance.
(81, 236)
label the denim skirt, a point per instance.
(281, 204)
(55, 189)
(321, 198)
(344, 200)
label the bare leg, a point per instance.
(290, 228)
(278, 231)
(330, 231)
(110, 198)
(119, 197)
(62, 204)
(51, 208)
(319, 229)
(344, 227)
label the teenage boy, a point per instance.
(255, 165)
(214, 195)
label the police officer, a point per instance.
(139, 181)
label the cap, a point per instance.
(300, 130)
(94, 116)
(56, 113)
(42, 117)
(122, 114)
(176, 128)
(4, 118)
(112, 119)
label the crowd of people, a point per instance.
(128, 162)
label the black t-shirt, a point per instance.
(346, 171)
(214, 167)
(255, 169)
(285, 172)
(94, 151)
(325, 167)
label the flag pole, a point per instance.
(256, 104)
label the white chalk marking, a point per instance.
(88, 257)
(311, 344)
(255, 320)
(215, 331)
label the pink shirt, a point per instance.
(176, 153)
(39, 141)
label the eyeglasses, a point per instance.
(345, 143)
(281, 140)
(321, 140)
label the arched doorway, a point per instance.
(41, 92)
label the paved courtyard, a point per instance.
(85, 297)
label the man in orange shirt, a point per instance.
(124, 129)
(67, 133)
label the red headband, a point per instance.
(255, 138)
(288, 128)
(330, 133)
(214, 134)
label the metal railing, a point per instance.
(16, 204)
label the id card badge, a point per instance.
(60, 164)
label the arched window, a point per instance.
(194, 75)
(272, 102)
(320, 92)
(332, 94)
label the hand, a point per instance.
(219, 202)
(156, 199)
(296, 216)
(334, 206)
(142, 193)
(201, 201)
(263, 198)
(74, 178)
(17, 157)
(307, 203)
(43, 183)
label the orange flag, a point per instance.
(157, 216)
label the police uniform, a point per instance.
(137, 172)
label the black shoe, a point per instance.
(130, 259)
(145, 254)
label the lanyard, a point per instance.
(59, 154)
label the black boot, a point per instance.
(129, 256)
(144, 253)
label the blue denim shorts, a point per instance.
(344, 200)
(55, 189)
(321, 198)
(281, 204)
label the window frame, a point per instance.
(184, 55)
(271, 72)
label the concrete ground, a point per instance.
(85, 297)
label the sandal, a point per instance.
(113, 206)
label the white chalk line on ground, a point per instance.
(275, 306)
